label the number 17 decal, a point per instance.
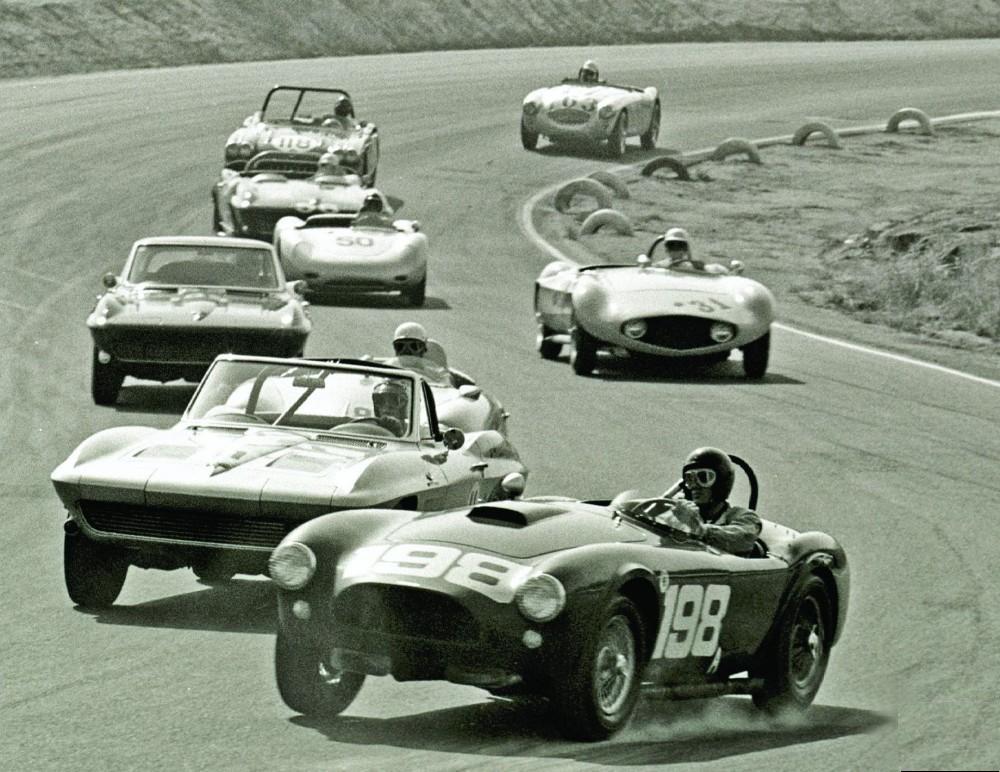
(692, 621)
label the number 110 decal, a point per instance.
(692, 620)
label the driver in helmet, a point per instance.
(588, 73)
(338, 164)
(678, 249)
(391, 403)
(342, 116)
(372, 213)
(708, 477)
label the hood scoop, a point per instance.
(510, 517)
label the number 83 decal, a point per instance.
(692, 620)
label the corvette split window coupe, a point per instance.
(577, 601)
(264, 445)
(182, 300)
(373, 252)
(591, 113)
(275, 184)
(653, 308)
(308, 121)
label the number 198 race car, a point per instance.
(578, 601)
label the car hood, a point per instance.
(270, 190)
(196, 462)
(333, 244)
(573, 95)
(192, 306)
(301, 139)
(520, 529)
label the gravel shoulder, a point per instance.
(891, 240)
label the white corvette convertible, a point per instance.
(371, 252)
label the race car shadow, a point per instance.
(661, 369)
(661, 733)
(633, 153)
(374, 300)
(236, 606)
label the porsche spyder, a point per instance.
(301, 120)
(182, 300)
(372, 252)
(582, 602)
(273, 185)
(591, 114)
(264, 445)
(653, 308)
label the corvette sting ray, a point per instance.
(264, 445)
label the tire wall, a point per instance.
(84, 35)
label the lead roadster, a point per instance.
(304, 120)
(273, 185)
(182, 300)
(592, 114)
(264, 445)
(577, 601)
(343, 253)
(652, 308)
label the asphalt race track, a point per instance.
(899, 462)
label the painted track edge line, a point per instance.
(526, 223)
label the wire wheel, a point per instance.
(615, 666)
(807, 647)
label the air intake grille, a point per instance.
(678, 332)
(405, 611)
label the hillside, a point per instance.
(39, 38)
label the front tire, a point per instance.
(415, 295)
(105, 380)
(547, 347)
(616, 139)
(648, 140)
(796, 659)
(755, 356)
(583, 351)
(529, 138)
(94, 573)
(307, 684)
(602, 689)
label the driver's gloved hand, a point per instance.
(687, 512)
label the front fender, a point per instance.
(104, 443)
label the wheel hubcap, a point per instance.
(615, 666)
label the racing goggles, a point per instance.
(410, 347)
(701, 478)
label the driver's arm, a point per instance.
(735, 531)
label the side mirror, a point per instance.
(469, 391)
(736, 266)
(513, 485)
(643, 260)
(109, 280)
(453, 438)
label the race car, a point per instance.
(373, 252)
(653, 308)
(305, 120)
(591, 112)
(577, 601)
(272, 185)
(182, 300)
(264, 445)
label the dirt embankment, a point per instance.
(39, 37)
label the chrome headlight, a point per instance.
(291, 565)
(530, 108)
(605, 112)
(721, 332)
(238, 150)
(541, 598)
(634, 328)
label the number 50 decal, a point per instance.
(692, 620)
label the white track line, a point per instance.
(527, 225)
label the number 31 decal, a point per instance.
(692, 621)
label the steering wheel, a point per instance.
(236, 415)
(370, 426)
(657, 512)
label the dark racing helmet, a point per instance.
(709, 468)
(343, 107)
(588, 73)
(372, 203)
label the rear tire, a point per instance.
(105, 381)
(547, 347)
(583, 351)
(796, 660)
(648, 140)
(755, 356)
(601, 690)
(94, 573)
(307, 684)
(529, 138)
(616, 139)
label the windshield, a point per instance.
(204, 266)
(285, 106)
(302, 396)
